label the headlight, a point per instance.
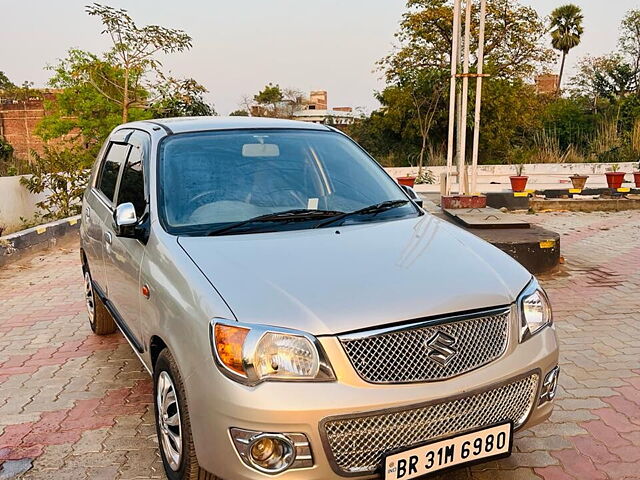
(252, 354)
(535, 310)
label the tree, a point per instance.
(98, 92)
(6, 150)
(514, 39)
(268, 100)
(426, 90)
(274, 101)
(410, 125)
(606, 77)
(61, 172)
(5, 83)
(413, 117)
(6, 154)
(566, 32)
(133, 53)
(11, 91)
(239, 113)
(511, 113)
(293, 101)
(570, 121)
(81, 111)
(630, 43)
(181, 98)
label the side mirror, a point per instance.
(415, 198)
(125, 219)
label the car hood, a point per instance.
(335, 280)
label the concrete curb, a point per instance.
(584, 205)
(15, 246)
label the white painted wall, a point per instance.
(15, 202)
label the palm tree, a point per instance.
(566, 31)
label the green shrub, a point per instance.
(60, 173)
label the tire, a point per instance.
(100, 319)
(167, 383)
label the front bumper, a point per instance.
(217, 404)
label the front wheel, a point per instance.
(172, 423)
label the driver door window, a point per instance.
(108, 178)
(132, 182)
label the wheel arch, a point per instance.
(156, 346)
(83, 259)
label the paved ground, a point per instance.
(76, 406)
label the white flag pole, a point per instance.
(452, 93)
(476, 125)
(462, 153)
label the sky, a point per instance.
(241, 45)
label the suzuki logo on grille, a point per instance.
(441, 349)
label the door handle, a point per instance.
(108, 238)
(87, 214)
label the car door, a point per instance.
(99, 207)
(123, 255)
(91, 224)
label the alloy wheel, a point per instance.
(169, 420)
(89, 298)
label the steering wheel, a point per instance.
(200, 196)
(292, 194)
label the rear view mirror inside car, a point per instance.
(260, 150)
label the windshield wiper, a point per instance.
(371, 209)
(286, 216)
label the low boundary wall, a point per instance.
(16, 245)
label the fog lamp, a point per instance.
(264, 449)
(271, 453)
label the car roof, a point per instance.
(201, 124)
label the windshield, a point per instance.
(210, 180)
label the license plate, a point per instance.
(478, 446)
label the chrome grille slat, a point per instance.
(357, 444)
(402, 356)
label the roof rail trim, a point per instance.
(164, 127)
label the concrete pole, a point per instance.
(462, 148)
(452, 92)
(476, 123)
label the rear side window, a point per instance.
(132, 183)
(110, 169)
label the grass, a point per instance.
(546, 149)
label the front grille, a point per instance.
(402, 356)
(357, 444)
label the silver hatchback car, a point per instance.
(299, 312)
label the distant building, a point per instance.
(327, 117)
(317, 111)
(318, 100)
(547, 83)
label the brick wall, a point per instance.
(18, 120)
(547, 83)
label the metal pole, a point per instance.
(459, 105)
(462, 150)
(452, 92)
(476, 123)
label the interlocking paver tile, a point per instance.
(76, 406)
